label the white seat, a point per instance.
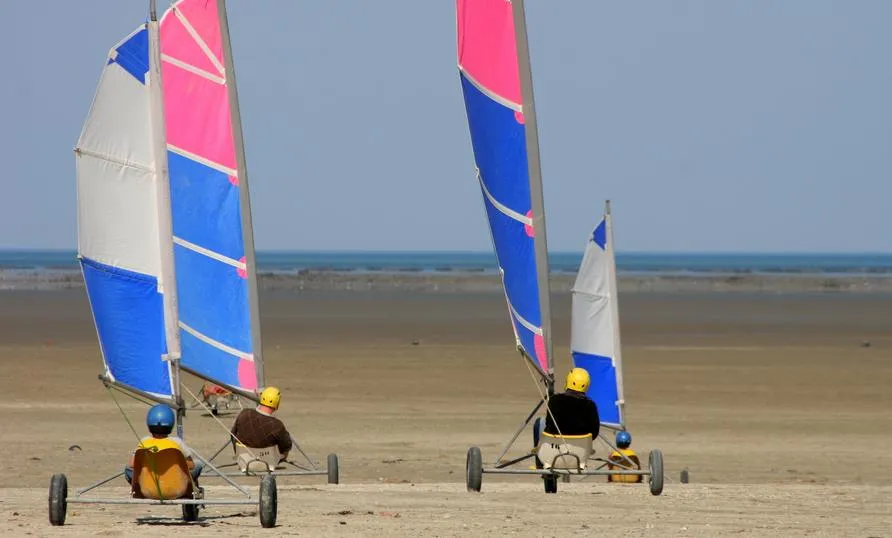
(257, 460)
(564, 451)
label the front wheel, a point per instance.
(655, 466)
(474, 469)
(268, 502)
(334, 476)
(58, 499)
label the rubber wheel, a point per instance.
(58, 499)
(655, 466)
(685, 476)
(474, 469)
(334, 476)
(190, 512)
(269, 508)
(550, 483)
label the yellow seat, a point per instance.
(616, 461)
(161, 474)
(257, 460)
(564, 451)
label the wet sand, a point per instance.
(772, 401)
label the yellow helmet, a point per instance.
(270, 397)
(578, 380)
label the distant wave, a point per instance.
(22, 262)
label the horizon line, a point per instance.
(30, 250)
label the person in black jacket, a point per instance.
(572, 412)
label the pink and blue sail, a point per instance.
(493, 64)
(595, 336)
(208, 198)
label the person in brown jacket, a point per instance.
(258, 428)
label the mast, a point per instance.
(614, 313)
(244, 195)
(535, 173)
(167, 281)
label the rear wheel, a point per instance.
(655, 466)
(190, 512)
(268, 502)
(551, 482)
(334, 476)
(474, 469)
(58, 499)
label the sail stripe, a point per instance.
(198, 40)
(132, 54)
(603, 388)
(209, 253)
(207, 162)
(517, 107)
(502, 207)
(212, 299)
(192, 69)
(219, 345)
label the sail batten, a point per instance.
(496, 82)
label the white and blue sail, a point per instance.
(595, 336)
(127, 269)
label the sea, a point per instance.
(640, 263)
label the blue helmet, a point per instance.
(623, 439)
(160, 419)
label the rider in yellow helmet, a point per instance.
(573, 412)
(258, 428)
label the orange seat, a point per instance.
(161, 474)
(618, 462)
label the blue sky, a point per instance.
(712, 125)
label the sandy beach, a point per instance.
(777, 403)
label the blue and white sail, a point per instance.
(595, 337)
(126, 263)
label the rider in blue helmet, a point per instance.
(160, 421)
(623, 458)
(623, 439)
